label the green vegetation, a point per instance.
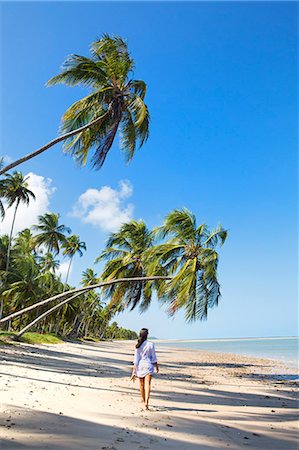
(126, 256)
(15, 189)
(32, 276)
(7, 337)
(180, 249)
(38, 338)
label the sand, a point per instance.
(79, 396)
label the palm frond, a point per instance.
(79, 70)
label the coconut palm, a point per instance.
(15, 191)
(20, 250)
(89, 277)
(23, 245)
(2, 210)
(125, 254)
(4, 242)
(26, 285)
(72, 246)
(116, 102)
(48, 263)
(51, 234)
(189, 255)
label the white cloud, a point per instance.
(27, 215)
(105, 208)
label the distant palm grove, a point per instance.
(176, 262)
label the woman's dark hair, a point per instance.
(142, 337)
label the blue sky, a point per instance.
(222, 92)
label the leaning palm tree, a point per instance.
(50, 234)
(15, 190)
(125, 257)
(189, 255)
(115, 103)
(72, 246)
(184, 268)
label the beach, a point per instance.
(79, 396)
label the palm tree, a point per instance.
(26, 286)
(2, 210)
(23, 245)
(89, 277)
(190, 257)
(51, 233)
(15, 190)
(48, 263)
(125, 254)
(4, 243)
(72, 246)
(115, 103)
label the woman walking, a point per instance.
(144, 362)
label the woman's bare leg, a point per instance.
(147, 389)
(142, 391)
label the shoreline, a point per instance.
(78, 395)
(288, 365)
(290, 362)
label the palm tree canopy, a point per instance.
(89, 277)
(15, 188)
(48, 262)
(125, 257)
(50, 233)
(189, 255)
(73, 245)
(4, 243)
(115, 97)
(24, 242)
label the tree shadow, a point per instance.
(61, 362)
(216, 397)
(41, 430)
(207, 402)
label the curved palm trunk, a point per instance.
(55, 141)
(84, 289)
(8, 252)
(45, 314)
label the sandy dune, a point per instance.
(79, 396)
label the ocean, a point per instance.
(279, 348)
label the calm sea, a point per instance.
(280, 348)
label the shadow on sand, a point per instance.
(60, 432)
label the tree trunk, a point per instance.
(8, 252)
(10, 236)
(45, 314)
(81, 290)
(68, 270)
(55, 141)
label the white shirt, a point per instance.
(144, 359)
